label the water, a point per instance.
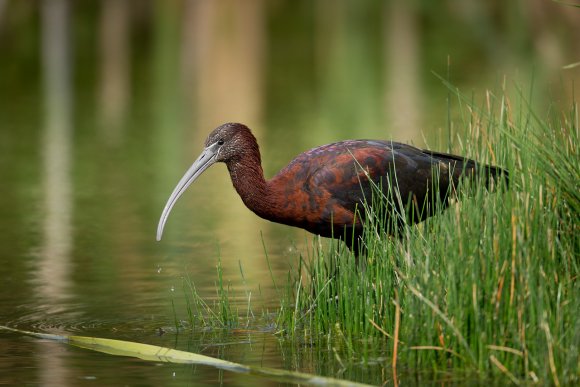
(108, 277)
(92, 146)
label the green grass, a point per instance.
(490, 286)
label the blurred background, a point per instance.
(104, 105)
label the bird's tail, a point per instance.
(463, 167)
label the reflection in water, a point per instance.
(222, 72)
(2, 8)
(300, 74)
(55, 258)
(402, 87)
(228, 63)
(53, 281)
(114, 66)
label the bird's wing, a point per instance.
(344, 177)
(352, 175)
(328, 184)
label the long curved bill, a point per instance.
(204, 161)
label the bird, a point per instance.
(327, 190)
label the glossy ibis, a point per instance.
(322, 189)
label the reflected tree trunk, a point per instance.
(227, 60)
(166, 99)
(328, 24)
(402, 64)
(53, 281)
(114, 66)
(223, 63)
(2, 9)
(55, 265)
(346, 52)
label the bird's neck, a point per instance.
(248, 179)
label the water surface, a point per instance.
(96, 128)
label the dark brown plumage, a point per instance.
(321, 189)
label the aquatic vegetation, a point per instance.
(489, 286)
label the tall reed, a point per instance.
(489, 285)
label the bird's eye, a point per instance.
(221, 142)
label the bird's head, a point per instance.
(226, 143)
(230, 142)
